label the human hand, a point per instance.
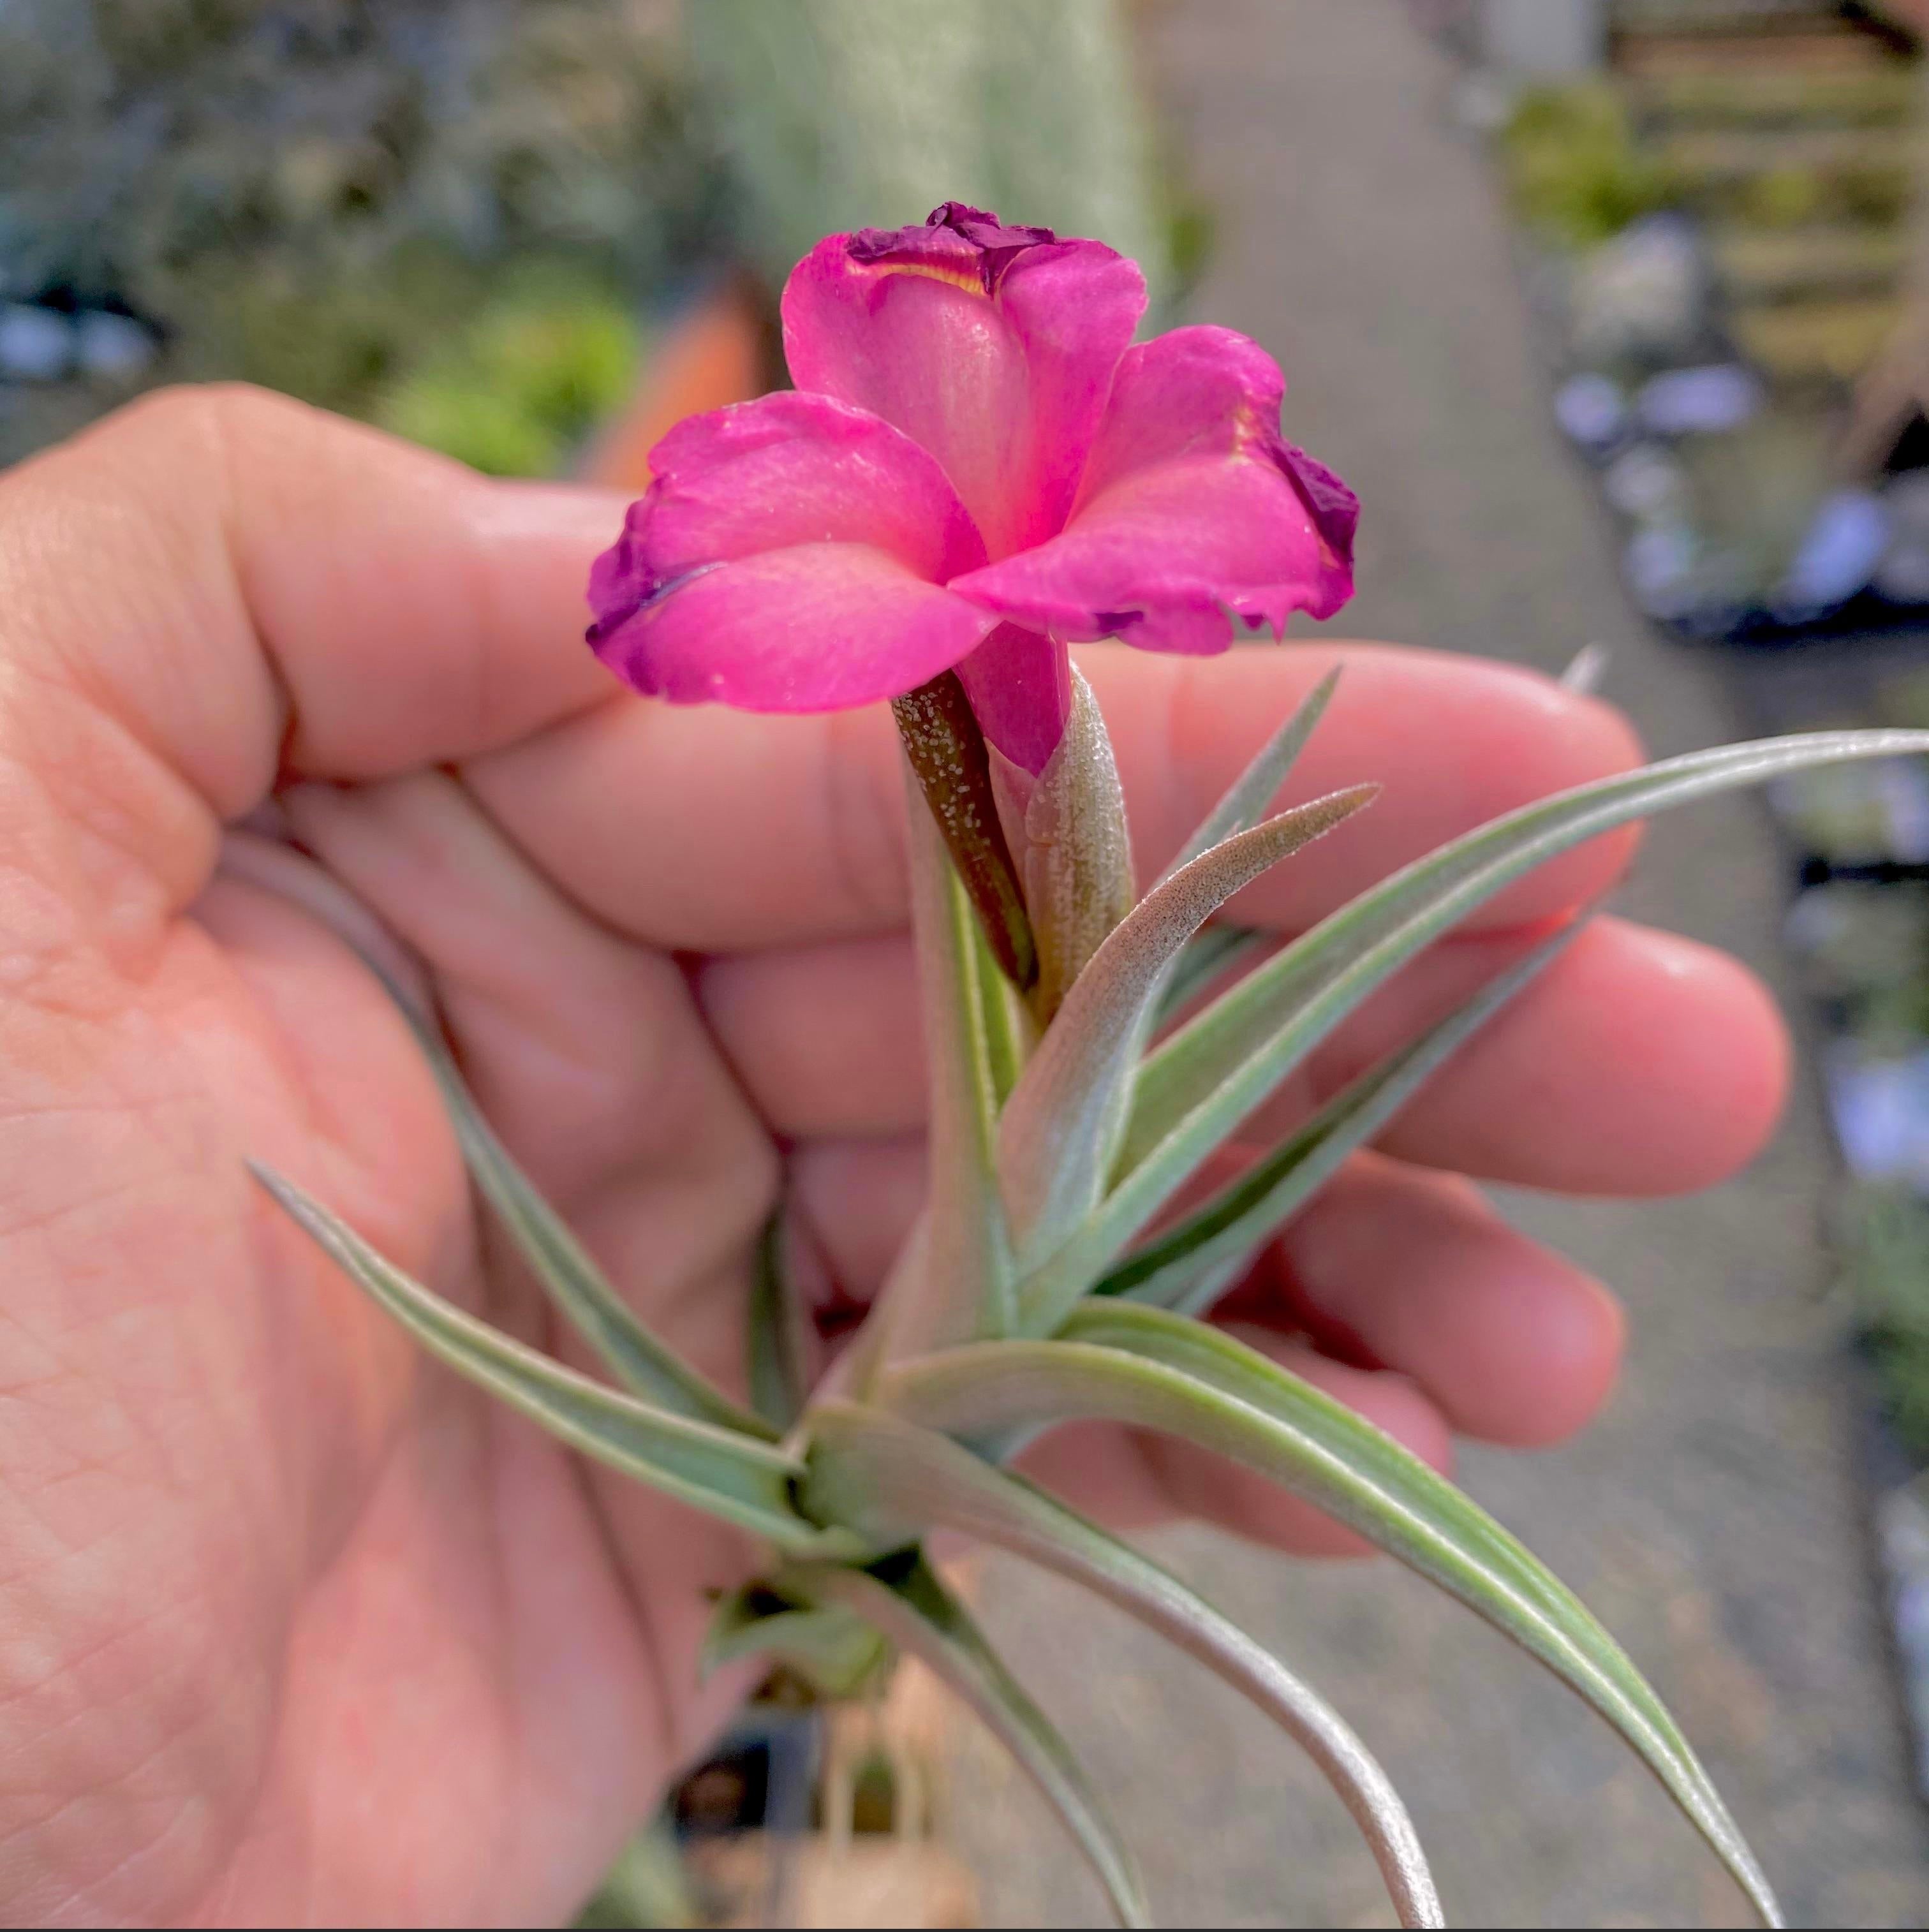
(293, 1626)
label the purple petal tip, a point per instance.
(954, 235)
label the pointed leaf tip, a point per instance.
(743, 1479)
(1060, 1125)
(1189, 1265)
(1258, 784)
(1192, 1091)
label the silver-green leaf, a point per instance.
(1275, 1014)
(884, 1474)
(1187, 1266)
(1212, 952)
(776, 1335)
(1256, 787)
(1058, 1129)
(962, 1287)
(744, 1480)
(1074, 855)
(1151, 1370)
(644, 1365)
(830, 1647)
(1194, 1090)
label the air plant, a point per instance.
(977, 468)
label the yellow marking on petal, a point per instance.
(968, 280)
(1249, 427)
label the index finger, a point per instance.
(713, 831)
(215, 585)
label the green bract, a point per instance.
(1031, 1293)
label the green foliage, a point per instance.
(559, 1262)
(873, 1462)
(855, 113)
(1884, 1243)
(1573, 166)
(525, 382)
(441, 215)
(144, 143)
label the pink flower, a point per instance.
(975, 469)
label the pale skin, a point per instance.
(294, 1627)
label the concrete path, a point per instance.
(1714, 1519)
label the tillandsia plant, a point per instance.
(978, 468)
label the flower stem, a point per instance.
(946, 750)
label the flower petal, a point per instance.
(818, 627)
(993, 347)
(1191, 506)
(763, 476)
(1019, 683)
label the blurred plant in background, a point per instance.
(1575, 169)
(853, 113)
(513, 392)
(451, 219)
(318, 195)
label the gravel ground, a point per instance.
(1714, 1519)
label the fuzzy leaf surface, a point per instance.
(883, 1475)
(1184, 1269)
(1076, 855)
(1151, 1370)
(947, 753)
(1212, 950)
(1058, 1129)
(745, 1480)
(915, 1611)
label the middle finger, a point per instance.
(1638, 1063)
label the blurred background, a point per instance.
(1616, 313)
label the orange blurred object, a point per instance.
(719, 350)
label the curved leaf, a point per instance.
(1075, 857)
(1325, 973)
(1195, 1089)
(909, 1605)
(1189, 1265)
(580, 1289)
(1056, 1136)
(743, 1479)
(883, 1475)
(1210, 952)
(1258, 785)
(961, 1287)
(1154, 1370)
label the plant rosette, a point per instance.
(978, 468)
